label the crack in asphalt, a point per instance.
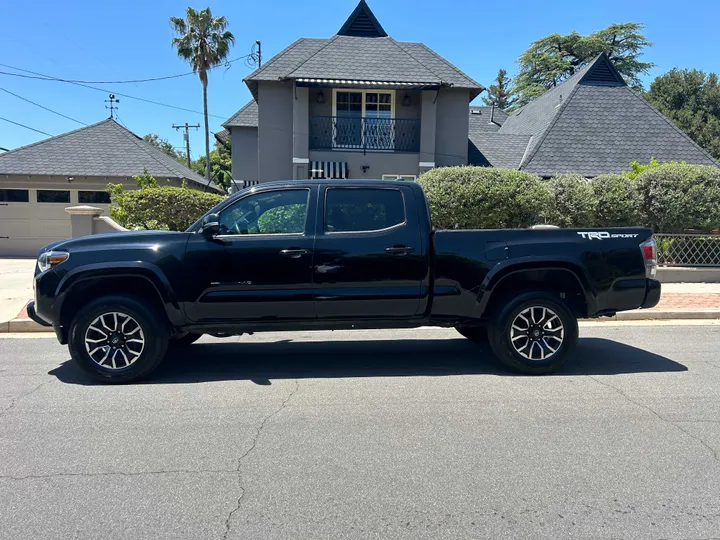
(253, 444)
(714, 452)
(15, 401)
(140, 473)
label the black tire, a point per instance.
(501, 333)
(476, 334)
(153, 332)
(184, 341)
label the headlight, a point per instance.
(50, 258)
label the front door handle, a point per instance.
(399, 250)
(294, 253)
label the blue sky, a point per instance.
(100, 41)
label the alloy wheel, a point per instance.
(114, 340)
(537, 333)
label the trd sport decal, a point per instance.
(602, 235)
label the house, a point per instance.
(357, 105)
(591, 124)
(362, 105)
(38, 181)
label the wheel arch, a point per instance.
(566, 277)
(143, 280)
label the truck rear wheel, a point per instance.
(117, 339)
(534, 333)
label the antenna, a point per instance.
(112, 107)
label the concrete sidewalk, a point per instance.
(678, 301)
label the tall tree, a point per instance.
(204, 41)
(166, 146)
(552, 59)
(691, 99)
(500, 93)
(220, 165)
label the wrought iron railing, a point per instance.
(688, 249)
(369, 134)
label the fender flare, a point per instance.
(511, 267)
(143, 270)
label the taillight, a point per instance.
(649, 251)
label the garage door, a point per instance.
(26, 224)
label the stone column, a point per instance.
(81, 219)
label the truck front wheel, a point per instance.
(534, 333)
(117, 339)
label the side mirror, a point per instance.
(211, 225)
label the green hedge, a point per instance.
(671, 197)
(167, 208)
(484, 198)
(676, 197)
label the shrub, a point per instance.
(617, 201)
(484, 198)
(675, 197)
(572, 201)
(166, 208)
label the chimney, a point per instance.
(492, 113)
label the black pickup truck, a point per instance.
(315, 254)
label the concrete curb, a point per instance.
(22, 326)
(660, 315)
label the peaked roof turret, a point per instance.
(362, 23)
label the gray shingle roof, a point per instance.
(479, 120)
(359, 58)
(591, 124)
(223, 136)
(103, 149)
(489, 149)
(247, 116)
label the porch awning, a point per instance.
(353, 82)
(328, 169)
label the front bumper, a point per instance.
(34, 316)
(652, 294)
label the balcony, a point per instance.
(366, 134)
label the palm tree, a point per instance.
(203, 41)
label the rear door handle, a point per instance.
(294, 253)
(399, 250)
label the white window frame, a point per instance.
(364, 98)
(408, 177)
(363, 111)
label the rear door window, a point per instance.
(363, 209)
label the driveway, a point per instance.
(16, 277)
(329, 435)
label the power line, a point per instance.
(26, 127)
(43, 77)
(42, 107)
(131, 81)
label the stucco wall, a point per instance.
(244, 153)
(451, 139)
(380, 163)
(275, 131)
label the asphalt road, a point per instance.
(392, 434)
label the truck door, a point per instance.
(369, 259)
(259, 266)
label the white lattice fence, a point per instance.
(688, 249)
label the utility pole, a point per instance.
(259, 52)
(186, 127)
(112, 107)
